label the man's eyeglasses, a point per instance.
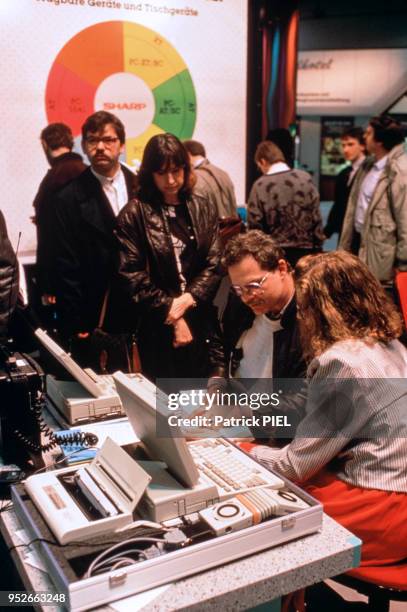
(250, 288)
(108, 141)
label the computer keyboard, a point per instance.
(229, 468)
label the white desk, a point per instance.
(240, 585)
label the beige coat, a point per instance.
(383, 244)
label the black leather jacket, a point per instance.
(8, 279)
(288, 362)
(147, 263)
(148, 273)
(287, 354)
(84, 251)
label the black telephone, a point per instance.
(24, 435)
(21, 401)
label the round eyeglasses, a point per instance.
(250, 288)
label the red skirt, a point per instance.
(378, 518)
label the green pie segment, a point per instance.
(175, 105)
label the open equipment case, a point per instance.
(67, 564)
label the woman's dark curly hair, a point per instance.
(162, 152)
(338, 298)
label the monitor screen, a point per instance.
(69, 364)
(138, 397)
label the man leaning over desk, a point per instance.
(260, 338)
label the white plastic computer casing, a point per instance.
(113, 471)
(84, 594)
(89, 397)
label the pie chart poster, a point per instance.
(161, 66)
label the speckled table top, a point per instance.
(247, 582)
(267, 575)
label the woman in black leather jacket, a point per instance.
(169, 258)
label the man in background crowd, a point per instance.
(375, 225)
(285, 204)
(8, 281)
(211, 180)
(353, 148)
(285, 142)
(85, 218)
(65, 165)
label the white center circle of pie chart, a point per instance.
(128, 97)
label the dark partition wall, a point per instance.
(272, 69)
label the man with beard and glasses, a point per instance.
(85, 219)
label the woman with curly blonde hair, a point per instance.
(350, 450)
(339, 299)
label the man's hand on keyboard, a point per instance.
(219, 387)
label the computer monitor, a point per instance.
(139, 400)
(69, 364)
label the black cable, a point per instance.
(85, 439)
(55, 543)
(28, 544)
(63, 459)
(7, 504)
(36, 406)
(74, 543)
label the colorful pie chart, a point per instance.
(129, 70)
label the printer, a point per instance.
(89, 397)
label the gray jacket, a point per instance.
(217, 185)
(383, 245)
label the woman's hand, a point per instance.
(182, 334)
(179, 307)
